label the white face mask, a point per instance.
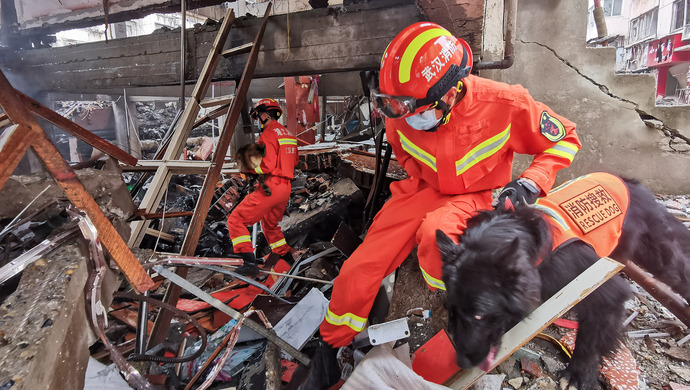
(425, 120)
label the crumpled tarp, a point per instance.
(384, 368)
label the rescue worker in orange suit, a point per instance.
(279, 167)
(455, 134)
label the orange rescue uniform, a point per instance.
(279, 167)
(591, 208)
(451, 174)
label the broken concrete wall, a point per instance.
(552, 62)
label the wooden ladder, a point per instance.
(186, 123)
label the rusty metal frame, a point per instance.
(28, 133)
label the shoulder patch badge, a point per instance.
(551, 128)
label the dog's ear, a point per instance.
(449, 249)
(505, 253)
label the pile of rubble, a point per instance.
(218, 336)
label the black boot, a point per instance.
(249, 266)
(288, 258)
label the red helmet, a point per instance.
(422, 63)
(269, 106)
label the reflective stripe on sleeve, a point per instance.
(356, 323)
(241, 239)
(278, 243)
(433, 282)
(564, 149)
(417, 152)
(258, 170)
(482, 151)
(287, 141)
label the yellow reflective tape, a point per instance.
(412, 49)
(278, 243)
(564, 149)
(482, 151)
(356, 323)
(552, 214)
(417, 152)
(258, 170)
(433, 282)
(241, 239)
(287, 141)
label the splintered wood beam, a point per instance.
(77, 131)
(14, 142)
(574, 292)
(206, 195)
(65, 177)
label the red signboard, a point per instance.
(662, 51)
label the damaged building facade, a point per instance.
(118, 173)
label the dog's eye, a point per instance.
(478, 317)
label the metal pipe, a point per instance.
(142, 327)
(183, 50)
(600, 19)
(509, 48)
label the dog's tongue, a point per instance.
(489, 361)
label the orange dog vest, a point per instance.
(590, 208)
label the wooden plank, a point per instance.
(77, 131)
(140, 214)
(544, 315)
(73, 188)
(163, 236)
(237, 50)
(217, 101)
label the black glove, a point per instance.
(520, 192)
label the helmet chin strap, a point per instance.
(445, 108)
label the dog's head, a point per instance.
(491, 280)
(249, 156)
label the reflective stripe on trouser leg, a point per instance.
(250, 211)
(269, 222)
(389, 241)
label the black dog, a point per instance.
(249, 157)
(505, 267)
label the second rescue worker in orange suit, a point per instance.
(279, 167)
(455, 134)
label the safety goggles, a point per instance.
(400, 106)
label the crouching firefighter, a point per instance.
(278, 167)
(455, 134)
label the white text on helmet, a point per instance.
(439, 62)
